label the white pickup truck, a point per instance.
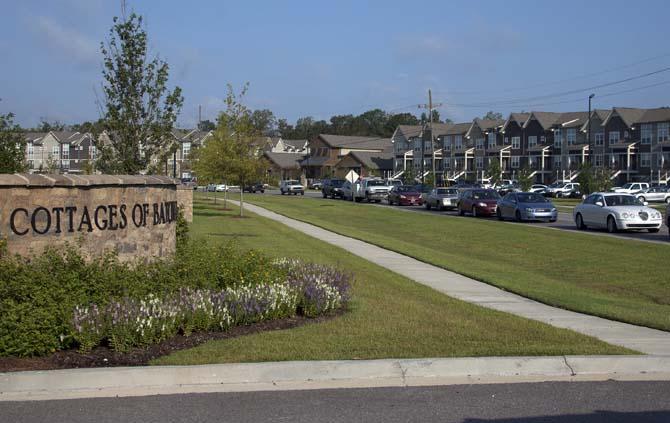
(291, 186)
(632, 188)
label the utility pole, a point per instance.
(430, 106)
(589, 139)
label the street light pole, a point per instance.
(589, 136)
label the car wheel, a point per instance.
(517, 216)
(282, 192)
(654, 230)
(499, 214)
(667, 200)
(323, 194)
(427, 205)
(302, 193)
(611, 225)
(580, 222)
(642, 199)
(474, 211)
(559, 195)
(461, 212)
(262, 191)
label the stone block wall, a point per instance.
(134, 215)
(185, 201)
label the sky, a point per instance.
(320, 58)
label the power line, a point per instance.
(559, 94)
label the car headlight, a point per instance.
(626, 215)
(481, 204)
(529, 210)
(403, 197)
(553, 209)
(656, 215)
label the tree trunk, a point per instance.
(242, 200)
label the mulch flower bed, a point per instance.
(104, 356)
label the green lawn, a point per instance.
(389, 317)
(619, 279)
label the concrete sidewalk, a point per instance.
(301, 375)
(645, 340)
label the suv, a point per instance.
(374, 189)
(258, 186)
(659, 193)
(563, 189)
(291, 186)
(633, 188)
(332, 188)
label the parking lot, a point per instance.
(564, 221)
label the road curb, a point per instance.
(302, 375)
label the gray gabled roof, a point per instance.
(452, 128)
(518, 118)
(34, 137)
(629, 115)
(295, 144)
(660, 114)
(573, 119)
(355, 142)
(379, 161)
(285, 160)
(410, 131)
(545, 119)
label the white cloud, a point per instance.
(68, 41)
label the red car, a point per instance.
(404, 195)
(478, 202)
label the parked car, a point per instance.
(478, 202)
(503, 182)
(526, 206)
(404, 195)
(655, 194)
(538, 188)
(632, 188)
(564, 190)
(258, 186)
(291, 186)
(667, 218)
(616, 212)
(221, 188)
(332, 188)
(315, 184)
(393, 182)
(506, 189)
(442, 198)
(211, 188)
(372, 189)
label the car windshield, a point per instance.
(292, 182)
(406, 188)
(376, 183)
(531, 198)
(621, 200)
(447, 191)
(485, 195)
(556, 185)
(627, 186)
(393, 182)
(337, 183)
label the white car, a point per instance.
(538, 188)
(221, 188)
(657, 194)
(616, 212)
(633, 188)
(291, 186)
(563, 189)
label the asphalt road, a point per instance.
(564, 221)
(550, 402)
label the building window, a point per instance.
(600, 138)
(558, 140)
(516, 142)
(479, 143)
(92, 152)
(55, 151)
(479, 162)
(492, 139)
(185, 150)
(532, 141)
(458, 142)
(572, 136)
(663, 131)
(31, 150)
(645, 160)
(614, 137)
(515, 159)
(543, 139)
(646, 133)
(532, 161)
(557, 162)
(446, 141)
(66, 151)
(447, 164)
(599, 160)
(506, 140)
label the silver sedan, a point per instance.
(442, 198)
(615, 212)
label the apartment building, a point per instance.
(326, 150)
(59, 151)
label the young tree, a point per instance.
(491, 115)
(525, 180)
(494, 171)
(12, 146)
(139, 110)
(408, 176)
(231, 155)
(206, 125)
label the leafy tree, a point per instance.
(494, 172)
(525, 180)
(89, 127)
(206, 125)
(139, 110)
(593, 179)
(12, 146)
(408, 176)
(46, 126)
(491, 115)
(285, 129)
(264, 122)
(231, 154)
